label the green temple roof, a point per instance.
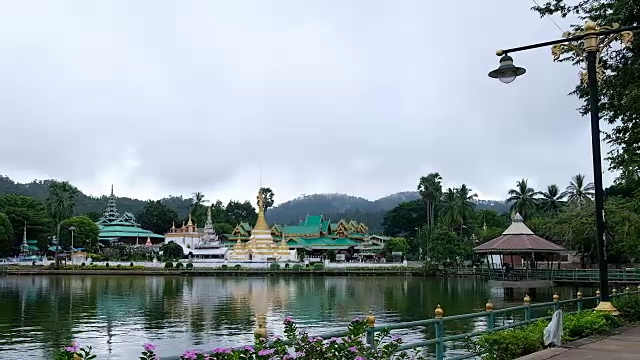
(322, 243)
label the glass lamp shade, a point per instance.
(506, 72)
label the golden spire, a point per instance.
(173, 225)
(261, 224)
(189, 223)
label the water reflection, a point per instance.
(116, 314)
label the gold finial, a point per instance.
(614, 291)
(438, 312)
(261, 327)
(183, 224)
(173, 225)
(189, 223)
(579, 294)
(261, 223)
(598, 292)
(499, 52)
(488, 306)
(627, 289)
(371, 320)
(556, 297)
(527, 299)
(590, 26)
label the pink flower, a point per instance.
(264, 352)
(192, 355)
(73, 348)
(288, 320)
(353, 349)
(359, 358)
(249, 348)
(149, 347)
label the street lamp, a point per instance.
(72, 229)
(589, 46)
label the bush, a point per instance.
(524, 340)
(628, 306)
(237, 267)
(118, 267)
(189, 266)
(131, 264)
(107, 265)
(297, 267)
(179, 265)
(224, 267)
(286, 266)
(168, 265)
(274, 266)
(318, 266)
(83, 264)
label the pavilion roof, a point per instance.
(518, 238)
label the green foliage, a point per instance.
(331, 255)
(267, 196)
(430, 190)
(237, 267)
(189, 266)
(6, 234)
(157, 217)
(445, 247)
(168, 265)
(238, 212)
(396, 244)
(522, 199)
(85, 234)
(274, 266)
(179, 265)
(628, 306)
(318, 266)
(296, 267)
(527, 339)
(223, 228)
(224, 267)
(21, 209)
(171, 250)
(404, 218)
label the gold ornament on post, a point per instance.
(371, 320)
(527, 299)
(579, 294)
(488, 306)
(438, 312)
(556, 297)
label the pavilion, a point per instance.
(518, 248)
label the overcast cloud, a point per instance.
(362, 97)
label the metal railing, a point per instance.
(527, 316)
(577, 275)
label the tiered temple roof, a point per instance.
(115, 227)
(314, 232)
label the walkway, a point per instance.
(625, 345)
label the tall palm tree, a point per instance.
(522, 198)
(450, 211)
(466, 202)
(551, 200)
(60, 203)
(198, 200)
(578, 192)
(430, 189)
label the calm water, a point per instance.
(117, 314)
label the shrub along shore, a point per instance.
(179, 268)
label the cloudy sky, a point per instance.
(361, 97)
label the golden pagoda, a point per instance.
(261, 246)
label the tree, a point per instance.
(172, 251)
(94, 215)
(85, 234)
(522, 199)
(444, 247)
(223, 228)
(450, 211)
(198, 210)
(551, 200)
(60, 203)
(237, 212)
(267, 197)
(577, 192)
(218, 214)
(466, 201)
(430, 189)
(620, 86)
(156, 217)
(396, 244)
(6, 234)
(404, 219)
(21, 209)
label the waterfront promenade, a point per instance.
(624, 345)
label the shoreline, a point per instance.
(217, 272)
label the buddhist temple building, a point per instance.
(123, 228)
(316, 235)
(198, 243)
(260, 245)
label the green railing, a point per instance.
(526, 314)
(577, 275)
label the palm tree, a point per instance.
(430, 189)
(522, 199)
(466, 202)
(578, 192)
(60, 203)
(450, 211)
(198, 200)
(551, 200)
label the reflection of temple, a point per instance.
(261, 246)
(199, 243)
(123, 228)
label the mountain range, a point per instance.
(332, 206)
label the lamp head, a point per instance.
(506, 72)
(72, 228)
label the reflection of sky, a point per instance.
(116, 315)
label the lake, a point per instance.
(116, 315)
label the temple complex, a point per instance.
(260, 246)
(316, 235)
(123, 228)
(203, 243)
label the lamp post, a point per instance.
(72, 229)
(589, 43)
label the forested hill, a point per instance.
(332, 206)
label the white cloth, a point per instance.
(553, 331)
